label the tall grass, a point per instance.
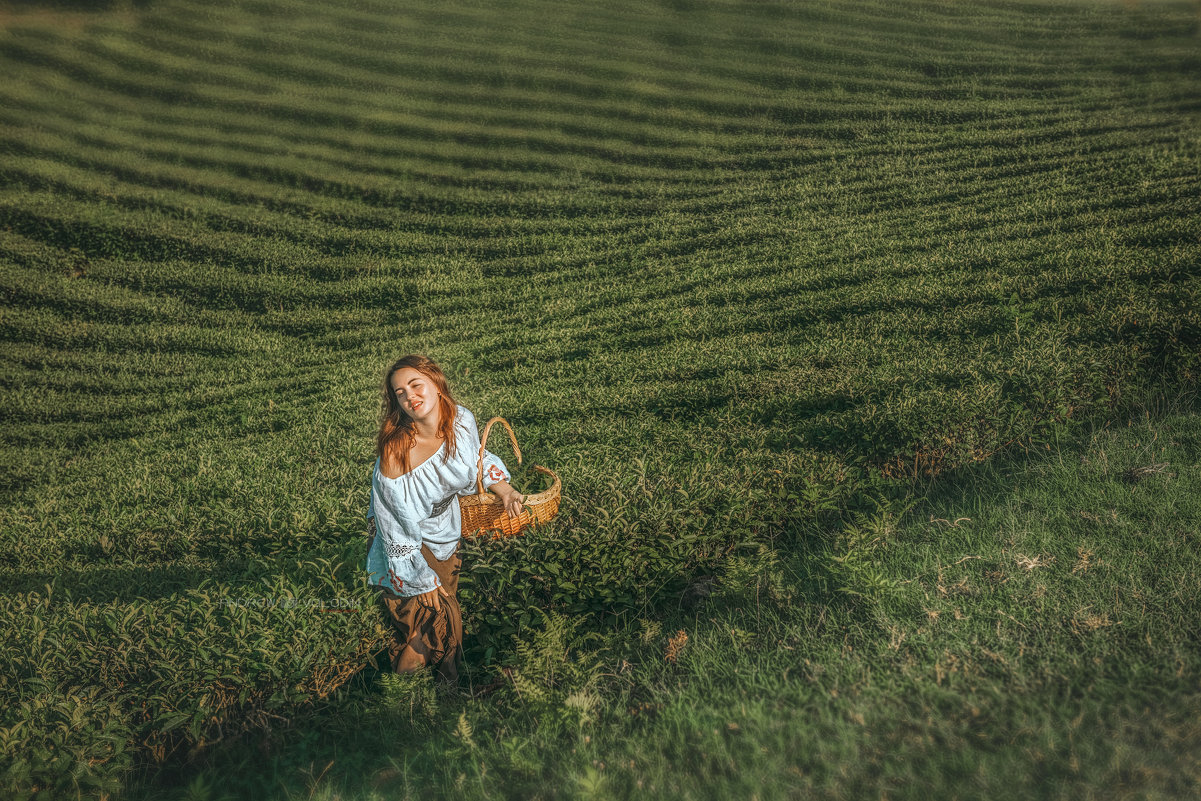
(1027, 629)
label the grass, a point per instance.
(736, 272)
(1038, 639)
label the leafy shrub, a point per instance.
(65, 742)
(211, 663)
(855, 555)
(644, 541)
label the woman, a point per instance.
(427, 451)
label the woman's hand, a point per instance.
(430, 599)
(511, 498)
(514, 504)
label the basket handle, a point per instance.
(479, 464)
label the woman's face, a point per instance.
(417, 395)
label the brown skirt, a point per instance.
(422, 636)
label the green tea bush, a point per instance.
(854, 561)
(88, 685)
(66, 742)
(647, 539)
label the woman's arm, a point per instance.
(404, 569)
(496, 475)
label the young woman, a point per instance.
(427, 450)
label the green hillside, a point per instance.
(733, 269)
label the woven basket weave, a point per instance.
(484, 513)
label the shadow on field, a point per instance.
(103, 584)
(72, 5)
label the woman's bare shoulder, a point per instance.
(390, 467)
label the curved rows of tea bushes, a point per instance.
(728, 268)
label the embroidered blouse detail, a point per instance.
(421, 507)
(397, 551)
(441, 505)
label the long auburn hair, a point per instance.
(396, 431)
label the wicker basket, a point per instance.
(485, 513)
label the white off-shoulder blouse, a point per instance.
(422, 506)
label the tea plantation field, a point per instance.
(757, 279)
